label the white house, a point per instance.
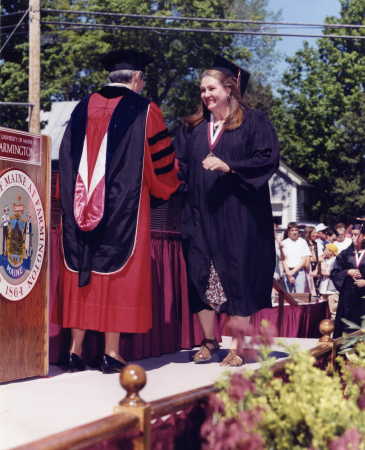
(289, 196)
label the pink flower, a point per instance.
(361, 401)
(249, 354)
(239, 387)
(215, 404)
(250, 418)
(350, 439)
(265, 335)
(358, 375)
(235, 328)
(230, 434)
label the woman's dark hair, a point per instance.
(236, 116)
(289, 227)
(330, 232)
(307, 233)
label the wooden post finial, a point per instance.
(133, 379)
(326, 327)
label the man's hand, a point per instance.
(214, 163)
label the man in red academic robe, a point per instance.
(115, 154)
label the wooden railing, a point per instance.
(131, 424)
(124, 427)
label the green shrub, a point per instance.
(304, 409)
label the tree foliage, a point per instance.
(321, 120)
(71, 57)
(13, 74)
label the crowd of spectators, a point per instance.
(305, 256)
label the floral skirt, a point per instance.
(215, 296)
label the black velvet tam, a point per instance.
(127, 59)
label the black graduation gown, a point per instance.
(350, 305)
(227, 218)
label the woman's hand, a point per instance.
(214, 163)
(354, 273)
(360, 283)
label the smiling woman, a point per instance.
(227, 153)
(215, 97)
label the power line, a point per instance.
(17, 26)
(16, 104)
(7, 27)
(17, 13)
(202, 19)
(196, 30)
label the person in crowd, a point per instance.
(327, 289)
(342, 241)
(349, 231)
(290, 224)
(331, 236)
(297, 258)
(314, 267)
(278, 284)
(115, 153)
(321, 228)
(348, 276)
(227, 153)
(278, 273)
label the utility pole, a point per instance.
(34, 86)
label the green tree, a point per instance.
(321, 119)
(71, 57)
(13, 78)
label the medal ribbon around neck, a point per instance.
(358, 257)
(214, 136)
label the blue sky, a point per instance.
(305, 11)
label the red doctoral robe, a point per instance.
(122, 301)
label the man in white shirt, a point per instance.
(321, 228)
(342, 241)
(296, 260)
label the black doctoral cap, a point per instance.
(224, 65)
(359, 224)
(127, 59)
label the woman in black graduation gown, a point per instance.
(348, 275)
(227, 153)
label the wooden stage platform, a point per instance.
(32, 409)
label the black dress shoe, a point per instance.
(75, 363)
(110, 364)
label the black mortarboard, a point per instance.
(360, 224)
(228, 67)
(127, 59)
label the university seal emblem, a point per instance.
(22, 234)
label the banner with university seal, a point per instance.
(22, 234)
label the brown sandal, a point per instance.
(205, 353)
(232, 359)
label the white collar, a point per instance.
(118, 85)
(358, 256)
(215, 132)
